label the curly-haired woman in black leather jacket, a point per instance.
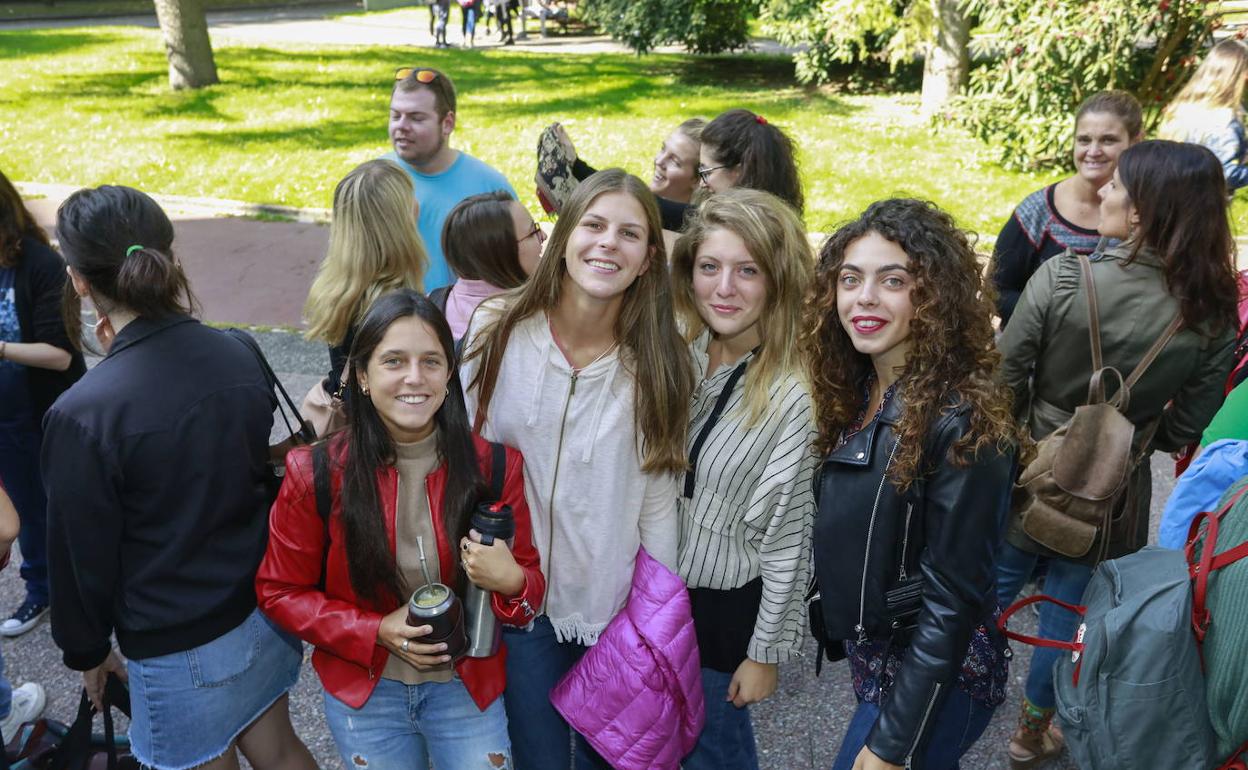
(919, 449)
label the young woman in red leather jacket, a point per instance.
(918, 446)
(407, 467)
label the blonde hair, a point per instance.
(1217, 84)
(657, 358)
(374, 248)
(774, 237)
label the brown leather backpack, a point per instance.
(1068, 494)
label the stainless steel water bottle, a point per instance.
(494, 521)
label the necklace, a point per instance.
(559, 344)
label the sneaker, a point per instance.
(27, 706)
(26, 618)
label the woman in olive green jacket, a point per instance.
(1167, 203)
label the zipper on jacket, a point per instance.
(905, 541)
(866, 557)
(550, 536)
(927, 713)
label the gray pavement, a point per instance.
(799, 728)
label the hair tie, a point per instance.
(132, 249)
(760, 120)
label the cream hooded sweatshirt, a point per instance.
(590, 502)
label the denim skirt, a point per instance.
(188, 707)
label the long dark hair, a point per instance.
(952, 349)
(16, 222)
(369, 448)
(764, 153)
(99, 230)
(1180, 194)
(480, 242)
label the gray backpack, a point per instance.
(1131, 688)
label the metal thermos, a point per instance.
(493, 521)
(437, 606)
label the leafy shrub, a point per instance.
(701, 26)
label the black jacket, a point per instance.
(155, 467)
(863, 547)
(38, 287)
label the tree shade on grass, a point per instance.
(92, 106)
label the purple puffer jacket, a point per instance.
(636, 695)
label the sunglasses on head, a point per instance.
(423, 75)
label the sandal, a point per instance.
(1030, 749)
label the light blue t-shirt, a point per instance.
(438, 194)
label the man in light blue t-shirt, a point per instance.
(422, 117)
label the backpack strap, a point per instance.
(498, 470)
(324, 499)
(1234, 762)
(1036, 641)
(1200, 569)
(1094, 316)
(438, 297)
(304, 432)
(1176, 323)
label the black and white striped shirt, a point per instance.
(753, 504)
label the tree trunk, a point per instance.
(948, 59)
(185, 28)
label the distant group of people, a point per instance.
(693, 418)
(494, 12)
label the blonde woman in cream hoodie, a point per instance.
(583, 370)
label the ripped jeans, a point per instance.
(403, 726)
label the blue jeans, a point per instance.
(536, 661)
(1065, 580)
(19, 470)
(6, 692)
(959, 723)
(727, 741)
(403, 726)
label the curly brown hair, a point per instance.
(952, 359)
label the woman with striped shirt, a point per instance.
(739, 274)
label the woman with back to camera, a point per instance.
(374, 248)
(493, 245)
(156, 466)
(741, 149)
(403, 482)
(740, 274)
(1167, 204)
(916, 479)
(1210, 110)
(1064, 215)
(583, 371)
(38, 362)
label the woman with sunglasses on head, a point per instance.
(741, 149)
(157, 468)
(583, 370)
(374, 248)
(38, 362)
(916, 478)
(1167, 204)
(493, 245)
(740, 273)
(1064, 215)
(403, 481)
(675, 178)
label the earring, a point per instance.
(447, 393)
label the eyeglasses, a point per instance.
(423, 75)
(703, 173)
(536, 231)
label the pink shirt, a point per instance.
(463, 300)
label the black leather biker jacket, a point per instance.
(869, 538)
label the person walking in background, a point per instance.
(740, 148)
(422, 119)
(493, 245)
(374, 248)
(1210, 110)
(156, 465)
(38, 362)
(1167, 204)
(1064, 215)
(919, 455)
(403, 482)
(468, 10)
(584, 372)
(739, 275)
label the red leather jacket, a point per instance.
(342, 626)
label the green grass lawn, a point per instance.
(91, 106)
